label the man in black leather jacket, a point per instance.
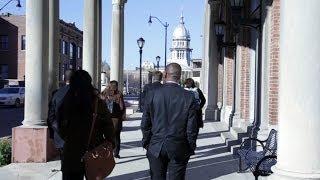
(169, 127)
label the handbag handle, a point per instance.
(94, 117)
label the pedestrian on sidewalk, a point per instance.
(201, 100)
(53, 115)
(76, 116)
(169, 127)
(115, 102)
(156, 83)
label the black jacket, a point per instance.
(53, 115)
(75, 129)
(199, 112)
(169, 119)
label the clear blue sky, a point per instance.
(136, 18)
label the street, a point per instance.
(10, 117)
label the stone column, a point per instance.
(37, 33)
(54, 37)
(210, 57)
(90, 38)
(299, 99)
(99, 43)
(30, 141)
(117, 40)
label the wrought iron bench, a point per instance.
(259, 162)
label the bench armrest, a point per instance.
(252, 139)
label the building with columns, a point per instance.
(260, 61)
(259, 65)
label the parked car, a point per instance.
(12, 96)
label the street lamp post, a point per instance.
(18, 4)
(140, 43)
(158, 60)
(165, 25)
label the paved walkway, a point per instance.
(212, 160)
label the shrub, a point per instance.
(5, 152)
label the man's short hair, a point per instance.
(114, 82)
(174, 71)
(157, 76)
(68, 74)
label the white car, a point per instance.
(12, 96)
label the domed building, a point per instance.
(180, 50)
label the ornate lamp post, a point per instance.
(140, 43)
(219, 30)
(158, 60)
(165, 25)
(18, 4)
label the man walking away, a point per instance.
(54, 105)
(169, 127)
(157, 78)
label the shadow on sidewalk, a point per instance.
(203, 169)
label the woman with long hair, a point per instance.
(75, 116)
(115, 102)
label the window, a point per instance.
(79, 52)
(65, 47)
(9, 91)
(4, 42)
(4, 71)
(196, 73)
(71, 51)
(23, 42)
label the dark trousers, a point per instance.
(159, 167)
(117, 123)
(72, 175)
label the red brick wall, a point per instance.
(220, 83)
(245, 76)
(229, 77)
(274, 63)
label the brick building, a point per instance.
(13, 46)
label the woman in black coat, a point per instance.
(76, 115)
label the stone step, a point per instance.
(235, 131)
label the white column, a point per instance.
(117, 39)
(37, 34)
(299, 98)
(90, 38)
(210, 57)
(54, 37)
(99, 43)
(264, 129)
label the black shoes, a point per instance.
(117, 156)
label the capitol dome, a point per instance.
(181, 32)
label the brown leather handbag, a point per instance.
(99, 162)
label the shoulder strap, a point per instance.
(94, 117)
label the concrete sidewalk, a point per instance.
(212, 160)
